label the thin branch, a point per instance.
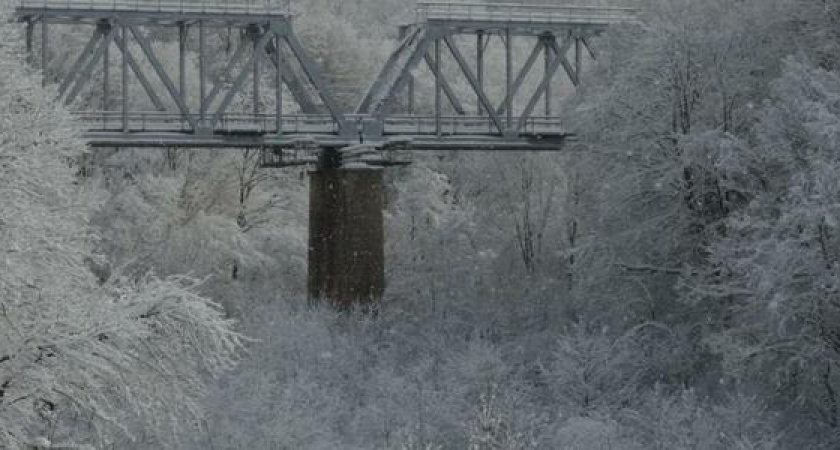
(649, 269)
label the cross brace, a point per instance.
(422, 44)
(273, 42)
(271, 46)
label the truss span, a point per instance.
(465, 36)
(120, 87)
(521, 14)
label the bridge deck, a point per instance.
(218, 12)
(306, 123)
(291, 141)
(260, 130)
(462, 13)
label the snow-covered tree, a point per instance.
(773, 279)
(85, 360)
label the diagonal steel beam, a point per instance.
(543, 87)
(269, 58)
(447, 88)
(312, 73)
(278, 88)
(593, 52)
(237, 85)
(383, 74)
(465, 68)
(383, 108)
(526, 70)
(487, 41)
(296, 87)
(138, 72)
(560, 52)
(226, 72)
(548, 59)
(240, 79)
(80, 61)
(164, 77)
(84, 76)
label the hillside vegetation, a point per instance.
(670, 281)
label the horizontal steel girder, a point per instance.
(237, 141)
(88, 12)
(520, 18)
(531, 30)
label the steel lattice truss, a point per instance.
(222, 114)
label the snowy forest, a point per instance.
(670, 280)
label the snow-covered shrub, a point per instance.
(84, 363)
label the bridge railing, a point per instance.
(246, 7)
(466, 125)
(227, 123)
(308, 124)
(520, 13)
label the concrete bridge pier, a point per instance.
(346, 236)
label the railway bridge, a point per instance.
(193, 97)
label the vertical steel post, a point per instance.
(202, 73)
(106, 75)
(438, 88)
(578, 58)
(509, 78)
(479, 61)
(44, 42)
(30, 30)
(547, 69)
(256, 39)
(182, 62)
(124, 79)
(410, 83)
(278, 82)
(411, 94)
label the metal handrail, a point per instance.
(302, 123)
(515, 12)
(248, 7)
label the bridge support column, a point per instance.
(346, 236)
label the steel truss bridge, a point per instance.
(190, 105)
